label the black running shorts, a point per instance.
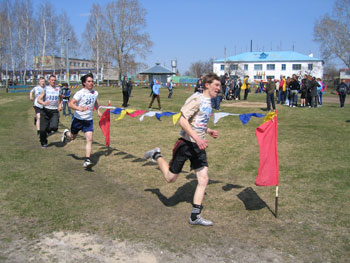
(184, 150)
(37, 109)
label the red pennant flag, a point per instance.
(105, 125)
(136, 113)
(266, 134)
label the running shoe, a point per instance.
(64, 136)
(200, 221)
(87, 163)
(149, 154)
(44, 146)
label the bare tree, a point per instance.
(10, 21)
(48, 31)
(200, 68)
(333, 32)
(3, 36)
(94, 38)
(125, 24)
(24, 24)
(66, 32)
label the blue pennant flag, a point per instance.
(117, 110)
(159, 115)
(245, 118)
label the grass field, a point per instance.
(123, 197)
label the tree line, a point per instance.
(115, 33)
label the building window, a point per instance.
(70, 63)
(309, 66)
(347, 72)
(270, 67)
(87, 64)
(222, 67)
(233, 67)
(283, 67)
(296, 66)
(272, 77)
(258, 77)
(245, 66)
(75, 64)
(257, 66)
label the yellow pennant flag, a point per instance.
(269, 116)
(123, 113)
(176, 117)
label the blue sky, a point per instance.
(193, 30)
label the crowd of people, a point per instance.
(285, 91)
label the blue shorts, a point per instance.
(81, 125)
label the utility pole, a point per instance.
(7, 80)
(67, 64)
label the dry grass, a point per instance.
(119, 196)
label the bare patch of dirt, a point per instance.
(83, 247)
(244, 104)
(6, 100)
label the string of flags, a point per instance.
(244, 118)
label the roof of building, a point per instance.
(266, 56)
(157, 70)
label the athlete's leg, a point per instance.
(88, 147)
(203, 179)
(38, 121)
(164, 167)
(196, 218)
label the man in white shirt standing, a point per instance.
(49, 117)
(33, 96)
(83, 103)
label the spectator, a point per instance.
(155, 94)
(294, 88)
(170, 88)
(313, 84)
(65, 93)
(270, 92)
(238, 86)
(125, 92)
(245, 87)
(342, 90)
(320, 91)
(303, 95)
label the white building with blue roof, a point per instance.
(261, 65)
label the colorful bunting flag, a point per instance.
(176, 117)
(245, 118)
(166, 113)
(268, 170)
(105, 122)
(136, 113)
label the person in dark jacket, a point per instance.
(313, 84)
(199, 86)
(270, 94)
(125, 92)
(129, 85)
(342, 90)
(294, 88)
(303, 91)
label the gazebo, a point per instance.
(158, 72)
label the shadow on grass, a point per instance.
(56, 144)
(229, 187)
(252, 200)
(183, 193)
(95, 157)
